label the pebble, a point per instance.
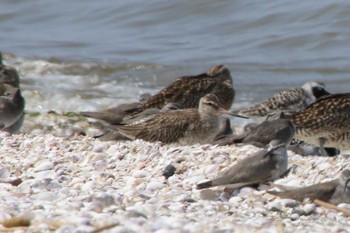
(140, 174)
(154, 186)
(43, 166)
(294, 216)
(169, 171)
(309, 208)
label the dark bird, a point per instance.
(265, 165)
(292, 99)
(335, 191)
(8, 75)
(184, 126)
(11, 108)
(262, 134)
(187, 90)
(325, 123)
(115, 115)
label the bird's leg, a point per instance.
(322, 141)
(285, 174)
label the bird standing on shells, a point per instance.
(184, 126)
(265, 165)
(325, 123)
(335, 191)
(292, 99)
(262, 134)
(188, 90)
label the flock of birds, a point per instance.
(192, 110)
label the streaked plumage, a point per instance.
(265, 165)
(115, 135)
(325, 123)
(187, 90)
(185, 126)
(336, 191)
(292, 99)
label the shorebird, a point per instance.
(335, 191)
(305, 149)
(262, 134)
(11, 108)
(292, 99)
(115, 115)
(187, 90)
(265, 165)
(8, 74)
(115, 135)
(184, 126)
(325, 123)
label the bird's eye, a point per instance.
(212, 104)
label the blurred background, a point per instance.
(89, 55)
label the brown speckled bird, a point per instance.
(325, 123)
(187, 90)
(292, 99)
(184, 126)
(335, 191)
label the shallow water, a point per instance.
(86, 55)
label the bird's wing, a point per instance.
(165, 127)
(332, 112)
(254, 169)
(322, 191)
(176, 91)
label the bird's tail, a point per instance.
(204, 184)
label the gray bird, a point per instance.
(8, 75)
(184, 126)
(265, 165)
(142, 116)
(292, 99)
(335, 191)
(225, 129)
(115, 115)
(11, 108)
(262, 134)
(325, 123)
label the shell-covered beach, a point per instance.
(74, 183)
(75, 56)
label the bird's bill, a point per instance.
(272, 148)
(224, 111)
